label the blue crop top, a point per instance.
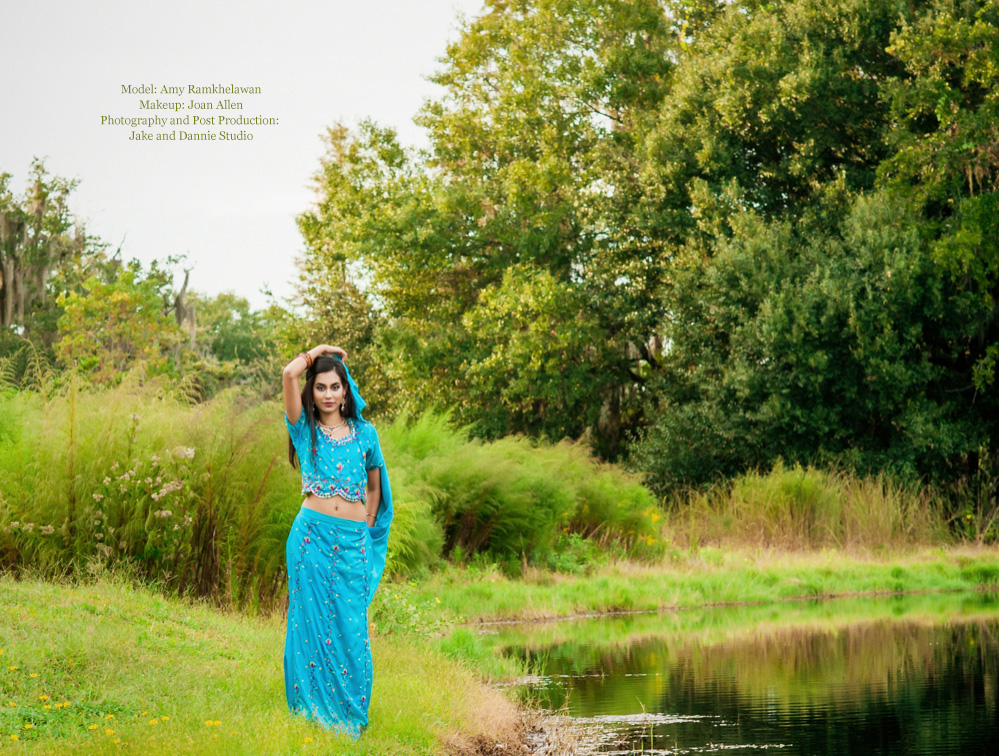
(339, 466)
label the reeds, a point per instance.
(806, 508)
(199, 497)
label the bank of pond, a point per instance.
(109, 665)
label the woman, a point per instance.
(336, 548)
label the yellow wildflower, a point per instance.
(308, 740)
(108, 732)
(92, 727)
(12, 667)
(47, 706)
(437, 600)
(65, 703)
(28, 726)
(43, 697)
(208, 723)
(154, 721)
(33, 674)
(11, 703)
(117, 740)
(215, 735)
(14, 737)
(164, 718)
(216, 723)
(109, 716)
(145, 713)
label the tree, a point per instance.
(37, 234)
(778, 99)
(117, 322)
(947, 159)
(531, 166)
(788, 342)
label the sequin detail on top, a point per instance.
(336, 467)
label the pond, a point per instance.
(901, 675)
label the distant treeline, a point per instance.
(703, 236)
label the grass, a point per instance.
(703, 577)
(107, 668)
(143, 673)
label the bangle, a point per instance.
(370, 515)
(308, 359)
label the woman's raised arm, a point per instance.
(294, 369)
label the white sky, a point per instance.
(230, 206)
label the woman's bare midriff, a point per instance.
(336, 506)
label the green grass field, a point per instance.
(105, 667)
(109, 669)
(706, 576)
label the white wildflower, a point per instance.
(46, 530)
(98, 497)
(107, 481)
(15, 524)
(99, 536)
(28, 526)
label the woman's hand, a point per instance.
(327, 349)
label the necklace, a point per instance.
(328, 429)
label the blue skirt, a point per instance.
(327, 658)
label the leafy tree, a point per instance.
(532, 365)
(38, 235)
(777, 98)
(116, 322)
(787, 342)
(531, 165)
(947, 158)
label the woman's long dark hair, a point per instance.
(323, 364)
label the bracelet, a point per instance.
(370, 515)
(308, 359)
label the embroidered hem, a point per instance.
(326, 489)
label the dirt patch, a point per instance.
(495, 727)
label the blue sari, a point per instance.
(334, 567)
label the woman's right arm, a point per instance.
(292, 371)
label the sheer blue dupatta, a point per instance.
(379, 532)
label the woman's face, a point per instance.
(328, 391)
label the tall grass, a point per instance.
(200, 497)
(804, 508)
(513, 498)
(195, 496)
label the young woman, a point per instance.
(336, 548)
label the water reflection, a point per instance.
(919, 675)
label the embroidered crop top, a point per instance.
(336, 467)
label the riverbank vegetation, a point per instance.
(198, 497)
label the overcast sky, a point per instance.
(230, 206)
